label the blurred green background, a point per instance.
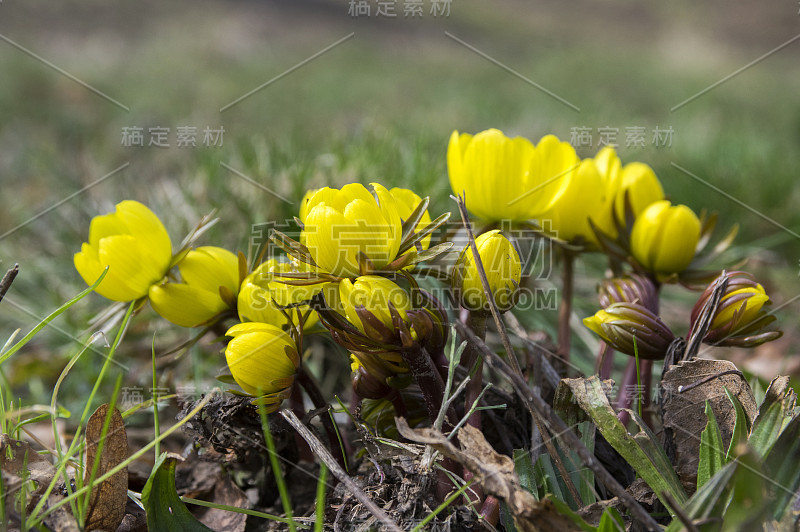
(380, 106)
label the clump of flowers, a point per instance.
(359, 271)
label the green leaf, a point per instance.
(568, 512)
(708, 502)
(583, 477)
(774, 414)
(641, 451)
(523, 466)
(164, 508)
(783, 467)
(611, 521)
(711, 456)
(547, 480)
(748, 505)
(740, 428)
(53, 315)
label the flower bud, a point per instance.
(740, 319)
(134, 245)
(342, 227)
(633, 288)
(262, 294)
(620, 323)
(365, 384)
(503, 271)
(262, 357)
(372, 303)
(665, 237)
(208, 287)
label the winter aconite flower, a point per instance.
(209, 285)
(370, 298)
(633, 288)
(619, 323)
(507, 178)
(581, 198)
(741, 319)
(350, 230)
(134, 245)
(665, 237)
(262, 294)
(503, 271)
(262, 357)
(365, 383)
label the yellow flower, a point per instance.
(407, 200)
(262, 294)
(341, 224)
(262, 356)
(206, 273)
(664, 237)
(580, 198)
(552, 161)
(746, 303)
(741, 318)
(635, 179)
(133, 243)
(632, 329)
(304, 203)
(507, 178)
(374, 293)
(503, 271)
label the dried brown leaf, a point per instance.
(684, 411)
(107, 502)
(25, 463)
(495, 472)
(227, 493)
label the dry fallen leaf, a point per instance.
(107, 503)
(496, 474)
(684, 411)
(26, 463)
(227, 493)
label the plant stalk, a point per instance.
(565, 310)
(309, 384)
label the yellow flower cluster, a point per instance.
(512, 179)
(353, 269)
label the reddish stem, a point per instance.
(565, 310)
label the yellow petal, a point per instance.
(185, 305)
(642, 186)
(132, 271)
(255, 303)
(455, 161)
(143, 224)
(210, 267)
(324, 232)
(679, 239)
(113, 286)
(257, 358)
(552, 162)
(581, 199)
